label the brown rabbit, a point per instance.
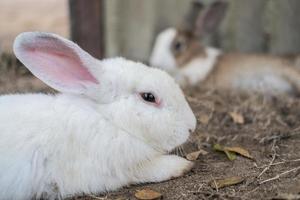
(179, 52)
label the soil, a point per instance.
(270, 132)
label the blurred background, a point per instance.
(108, 28)
(128, 28)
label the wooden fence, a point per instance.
(130, 26)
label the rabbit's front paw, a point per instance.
(178, 166)
(163, 168)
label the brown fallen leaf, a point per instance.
(239, 150)
(230, 155)
(237, 118)
(204, 119)
(287, 196)
(195, 155)
(147, 194)
(220, 183)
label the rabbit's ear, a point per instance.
(211, 17)
(58, 62)
(189, 21)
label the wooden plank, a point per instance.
(285, 35)
(87, 25)
(243, 29)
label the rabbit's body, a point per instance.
(54, 151)
(254, 73)
(245, 72)
(179, 52)
(55, 146)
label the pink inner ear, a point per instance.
(62, 67)
(58, 62)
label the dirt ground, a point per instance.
(270, 131)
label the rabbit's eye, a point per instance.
(178, 46)
(149, 97)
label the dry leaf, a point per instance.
(147, 194)
(218, 147)
(204, 119)
(195, 155)
(239, 150)
(287, 196)
(220, 183)
(237, 118)
(230, 155)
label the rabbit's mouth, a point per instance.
(184, 149)
(188, 146)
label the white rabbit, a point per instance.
(112, 124)
(180, 52)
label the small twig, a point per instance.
(198, 190)
(267, 167)
(280, 121)
(279, 175)
(200, 187)
(215, 183)
(278, 137)
(271, 162)
(279, 163)
(95, 197)
(246, 194)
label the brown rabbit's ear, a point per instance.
(210, 18)
(190, 19)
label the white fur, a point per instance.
(199, 68)
(265, 81)
(103, 138)
(162, 56)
